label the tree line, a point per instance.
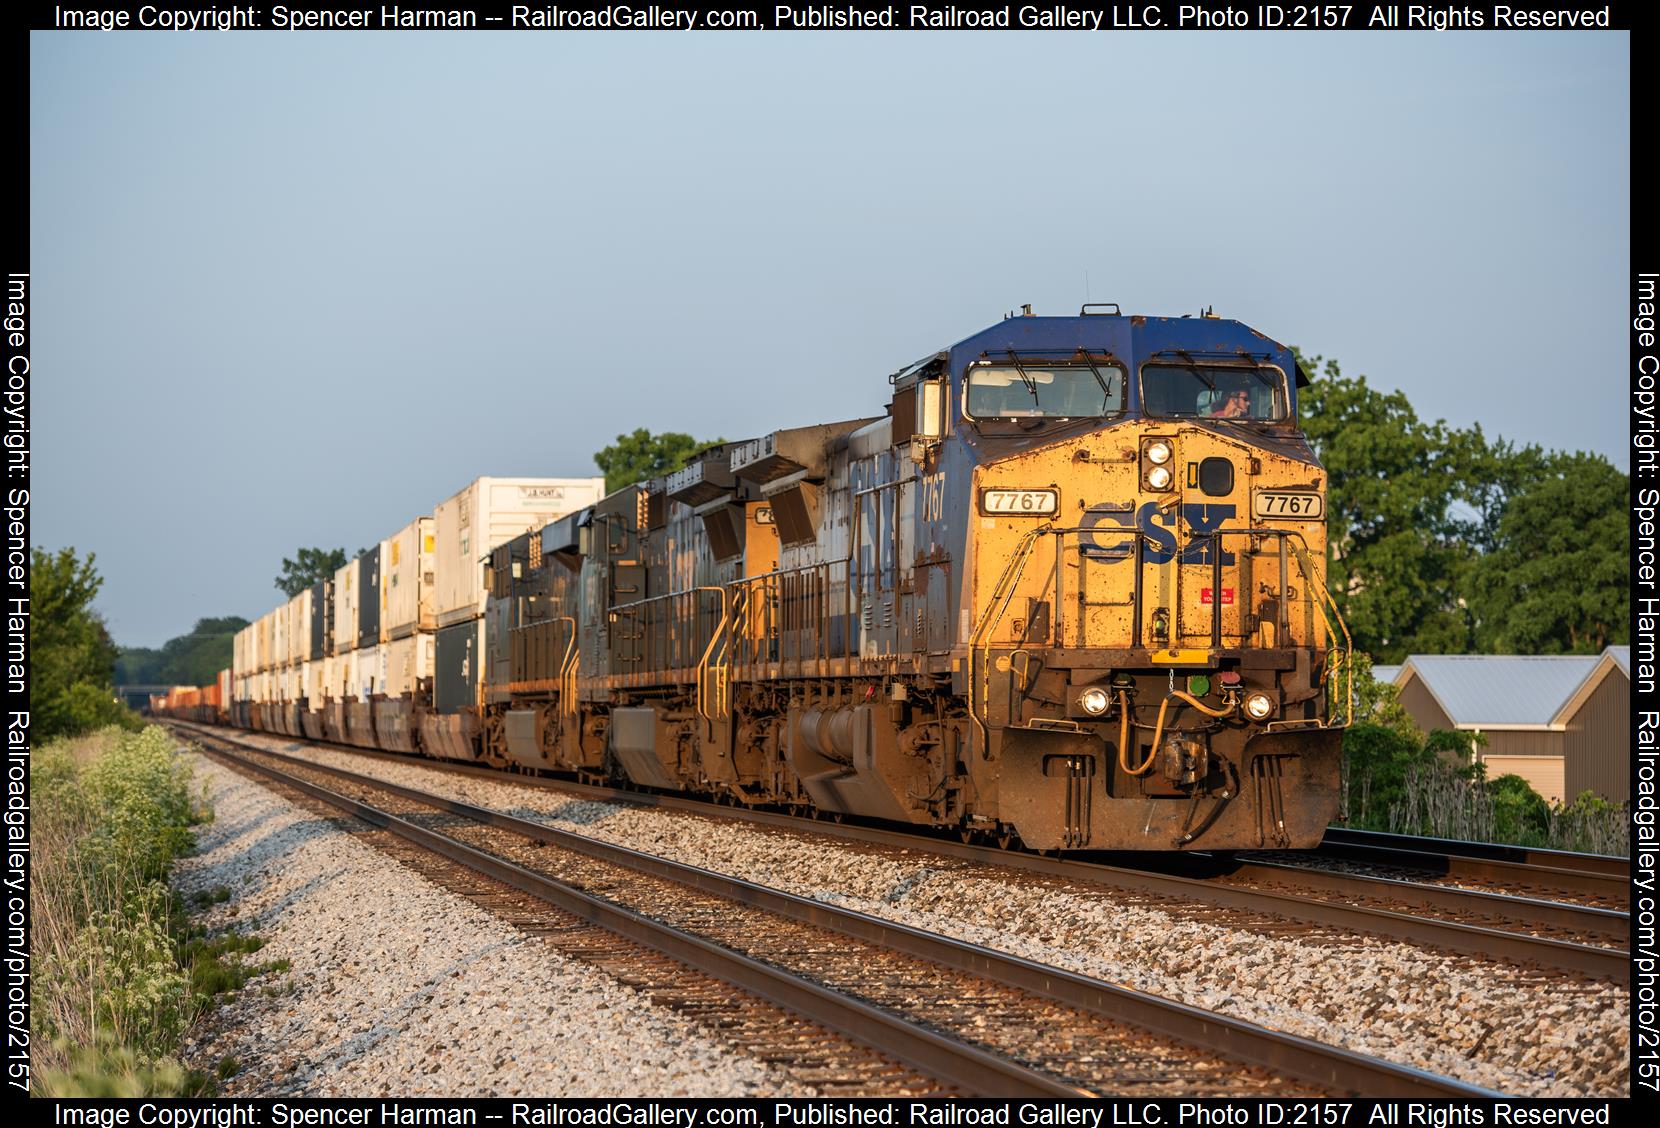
(1445, 541)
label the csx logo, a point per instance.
(1156, 525)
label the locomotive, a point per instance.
(1066, 590)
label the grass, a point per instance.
(1442, 800)
(120, 969)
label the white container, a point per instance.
(345, 608)
(334, 678)
(408, 660)
(299, 628)
(263, 662)
(368, 671)
(280, 622)
(406, 580)
(485, 514)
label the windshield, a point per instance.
(1213, 391)
(1070, 391)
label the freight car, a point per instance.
(1067, 589)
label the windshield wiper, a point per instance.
(1106, 389)
(1193, 367)
(1031, 384)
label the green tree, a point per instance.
(311, 565)
(1397, 553)
(1520, 814)
(190, 659)
(71, 656)
(1557, 579)
(641, 455)
(1490, 472)
(1379, 703)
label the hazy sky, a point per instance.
(294, 289)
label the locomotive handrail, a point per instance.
(995, 607)
(702, 674)
(644, 612)
(1345, 663)
(567, 671)
(979, 645)
(821, 573)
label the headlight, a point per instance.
(1257, 706)
(1158, 453)
(1159, 478)
(1094, 700)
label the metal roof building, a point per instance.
(1562, 722)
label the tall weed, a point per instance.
(111, 1003)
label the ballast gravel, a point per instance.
(1502, 1027)
(396, 987)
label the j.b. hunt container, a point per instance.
(488, 512)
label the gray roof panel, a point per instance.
(1486, 689)
(1622, 655)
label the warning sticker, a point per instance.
(1207, 595)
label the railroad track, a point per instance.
(1272, 896)
(1594, 878)
(975, 1019)
(1567, 922)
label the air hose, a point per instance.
(1158, 729)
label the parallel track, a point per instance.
(1473, 923)
(1591, 876)
(1153, 1039)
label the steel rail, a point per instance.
(956, 1063)
(1612, 923)
(1528, 855)
(1455, 936)
(1461, 867)
(1287, 1054)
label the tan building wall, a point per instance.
(1543, 773)
(1417, 700)
(1592, 754)
(1599, 741)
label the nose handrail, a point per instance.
(1340, 664)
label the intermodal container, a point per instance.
(486, 513)
(406, 580)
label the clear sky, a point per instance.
(294, 289)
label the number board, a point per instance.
(1020, 503)
(1306, 506)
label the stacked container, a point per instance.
(487, 513)
(345, 607)
(407, 580)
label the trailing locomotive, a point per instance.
(1068, 588)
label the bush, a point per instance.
(1591, 824)
(1520, 814)
(1432, 786)
(111, 1003)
